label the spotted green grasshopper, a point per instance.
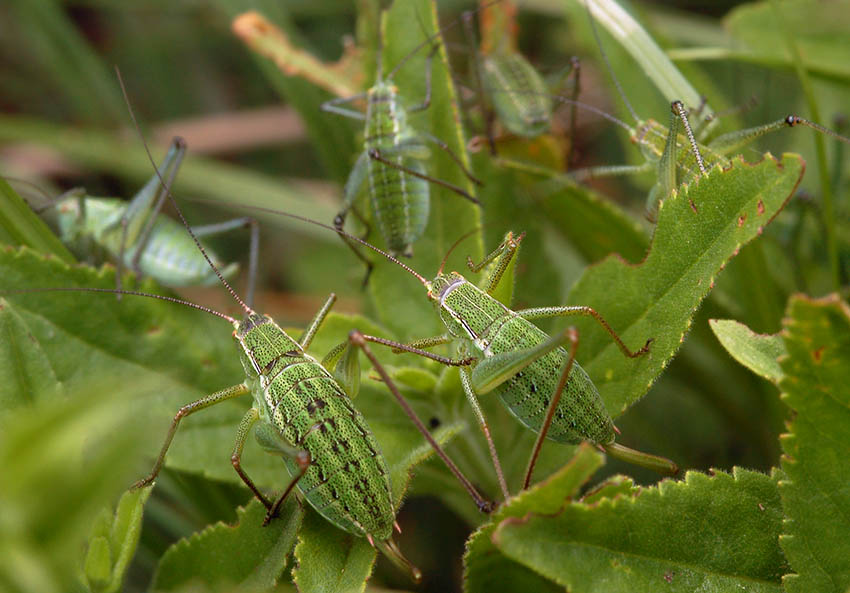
(302, 411)
(394, 157)
(680, 153)
(501, 351)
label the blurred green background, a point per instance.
(256, 137)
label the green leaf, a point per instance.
(510, 204)
(247, 554)
(19, 225)
(611, 488)
(819, 32)
(699, 229)
(815, 496)
(594, 225)
(415, 378)
(406, 25)
(64, 460)
(110, 553)
(755, 351)
(485, 569)
(331, 560)
(706, 533)
(643, 49)
(25, 370)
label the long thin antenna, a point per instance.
(379, 65)
(608, 62)
(120, 291)
(167, 189)
(567, 101)
(454, 245)
(340, 232)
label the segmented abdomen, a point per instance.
(400, 200)
(519, 95)
(347, 482)
(172, 258)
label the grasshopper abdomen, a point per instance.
(400, 200)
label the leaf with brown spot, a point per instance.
(658, 297)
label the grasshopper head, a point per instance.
(441, 285)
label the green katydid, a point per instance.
(394, 157)
(501, 351)
(136, 236)
(681, 153)
(510, 88)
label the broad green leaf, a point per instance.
(80, 331)
(247, 554)
(415, 378)
(819, 31)
(330, 560)
(751, 287)
(757, 352)
(113, 544)
(706, 533)
(595, 226)
(25, 370)
(19, 225)
(699, 229)
(511, 205)
(592, 224)
(405, 27)
(63, 460)
(815, 493)
(486, 569)
(611, 488)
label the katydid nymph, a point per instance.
(510, 88)
(678, 154)
(499, 350)
(394, 158)
(302, 410)
(136, 236)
